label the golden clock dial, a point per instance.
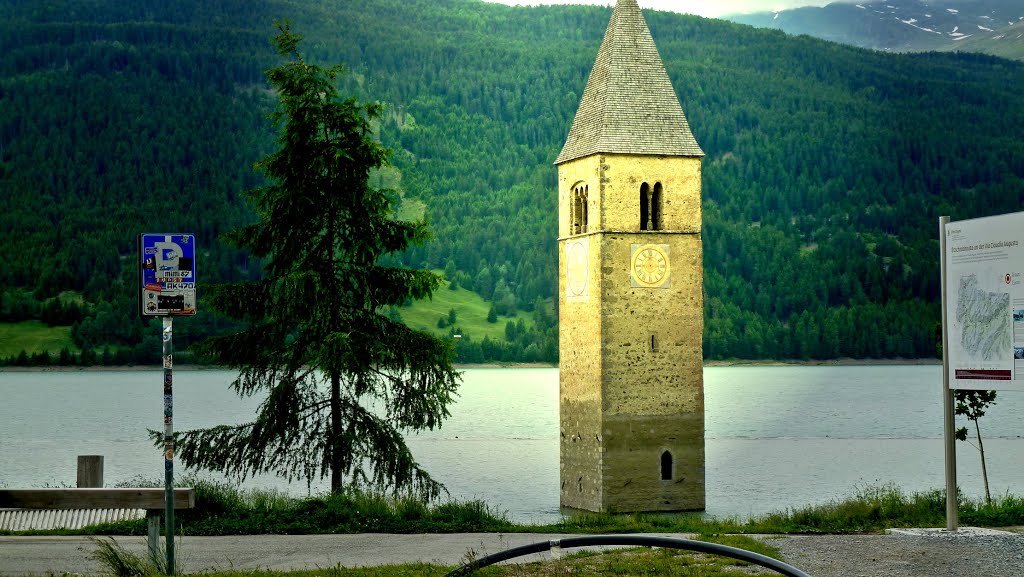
(650, 265)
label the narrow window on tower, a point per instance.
(577, 212)
(654, 344)
(666, 466)
(584, 207)
(645, 207)
(572, 211)
(656, 206)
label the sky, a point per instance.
(709, 8)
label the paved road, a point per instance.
(20, 556)
(821, 555)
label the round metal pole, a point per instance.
(948, 438)
(169, 442)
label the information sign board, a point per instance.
(985, 302)
(168, 274)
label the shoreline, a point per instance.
(844, 362)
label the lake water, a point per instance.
(777, 437)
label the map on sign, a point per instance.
(168, 279)
(985, 302)
(985, 327)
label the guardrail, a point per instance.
(90, 503)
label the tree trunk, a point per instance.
(336, 446)
(984, 470)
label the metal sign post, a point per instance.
(948, 439)
(168, 334)
(168, 289)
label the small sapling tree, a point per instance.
(972, 404)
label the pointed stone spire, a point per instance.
(629, 105)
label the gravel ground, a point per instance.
(897, 555)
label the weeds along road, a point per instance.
(21, 556)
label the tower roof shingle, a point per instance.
(629, 105)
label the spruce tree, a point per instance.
(343, 379)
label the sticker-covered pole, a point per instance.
(169, 442)
(948, 439)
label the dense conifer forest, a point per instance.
(827, 166)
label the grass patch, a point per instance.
(33, 337)
(411, 209)
(407, 570)
(223, 509)
(871, 509)
(470, 309)
(119, 562)
(643, 561)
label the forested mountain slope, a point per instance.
(826, 170)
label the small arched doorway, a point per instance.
(666, 466)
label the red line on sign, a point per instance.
(982, 374)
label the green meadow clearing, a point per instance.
(33, 337)
(470, 310)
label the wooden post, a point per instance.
(153, 529)
(90, 471)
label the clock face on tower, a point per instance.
(649, 265)
(577, 271)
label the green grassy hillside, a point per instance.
(471, 315)
(33, 337)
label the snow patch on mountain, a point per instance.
(911, 22)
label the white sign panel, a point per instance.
(985, 302)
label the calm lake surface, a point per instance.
(777, 437)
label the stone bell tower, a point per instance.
(630, 286)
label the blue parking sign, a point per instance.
(168, 274)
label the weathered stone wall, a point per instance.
(625, 398)
(632, 472)
(638, 379)
(614, 182)
(653, 390)
(580, 377)
(586, 172)
(622, 176)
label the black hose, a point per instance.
(636, 541)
